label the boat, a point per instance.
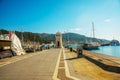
(87, 46)
(107, 44)
(93, 45)
(114, 43)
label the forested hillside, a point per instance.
(47, 38)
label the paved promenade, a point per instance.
(83, 69)
(40, 66)
(52, 64)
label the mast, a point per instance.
(93, 29)
(94, 34)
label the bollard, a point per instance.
(79, 52)
(48, 47)
(71, 49)
(40, 48)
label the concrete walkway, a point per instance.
(83, 69)
(38, 67)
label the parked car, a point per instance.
(29, 50)
(6, 53)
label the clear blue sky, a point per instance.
(50, 16)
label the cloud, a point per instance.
(107, 20)
(77, 29)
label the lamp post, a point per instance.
(68, 38)
(34, 42)
(0, 34)
(22, 37)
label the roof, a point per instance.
(58, 33)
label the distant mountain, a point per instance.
(72, 38)
(47, 38)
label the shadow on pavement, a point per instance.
(74, 58)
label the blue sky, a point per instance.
(50, 16)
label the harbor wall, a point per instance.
(106, 62)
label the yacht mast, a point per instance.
(93, 29)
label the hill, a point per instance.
(72, 38)
(47, 38)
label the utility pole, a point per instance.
(34, 42)
(68, 37)
(22, 36)
(0, 34)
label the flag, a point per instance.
(10, 34)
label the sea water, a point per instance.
(109, 50)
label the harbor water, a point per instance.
(109, 50)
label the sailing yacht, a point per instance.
(93, 45)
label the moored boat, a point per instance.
(90, 47)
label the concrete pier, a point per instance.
(106, 62)
(84, 69)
